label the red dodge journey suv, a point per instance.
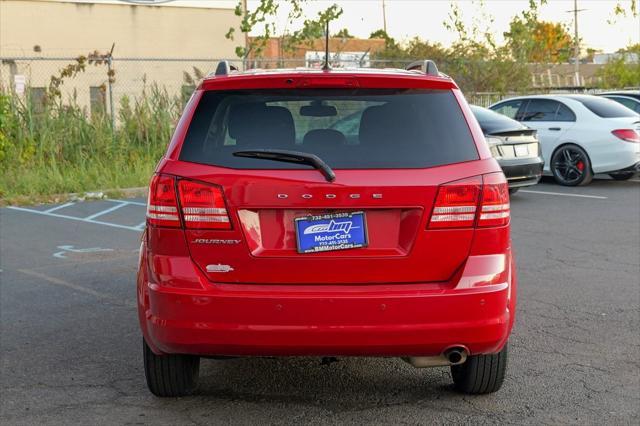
(327, 213)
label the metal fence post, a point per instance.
(111, 107)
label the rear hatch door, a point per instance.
(403, 145)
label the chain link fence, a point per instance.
(104, 85)
(96, 88)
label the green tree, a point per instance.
(539, 42)
(534, 41)
(626, 8)
(343, 33)
(621, 71)
(591, 53)
(380, 34)
(312, 29)
(263, 18)
(475, 60)
(400, 54)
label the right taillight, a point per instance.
(494, 205)
(481, 200)
(628, 135)
(456, 204)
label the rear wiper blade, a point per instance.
(287, 156)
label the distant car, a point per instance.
(515, 147)
(628, 98)
(580, 135)
(635, 94)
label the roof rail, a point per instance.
(224, 68)
(427, 66)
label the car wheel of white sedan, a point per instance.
(571, 166)
(622, 175)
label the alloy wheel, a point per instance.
(569, 165)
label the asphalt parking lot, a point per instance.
(71, 348)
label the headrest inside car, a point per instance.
(324, 138)
(260, 126)
(392, 123)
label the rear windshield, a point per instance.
(605, 108)
(347, 128)
(492, 122)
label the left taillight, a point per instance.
(162, 204)
(627, 135)
(203, 205)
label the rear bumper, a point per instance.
(523, 172)
(634, 168)
(619, 156)
(476, 311)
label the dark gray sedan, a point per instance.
(515, 146)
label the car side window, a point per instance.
(509, 108)
(564, 113)
(541, 110)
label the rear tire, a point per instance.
(480, 373)
(571, 166)
(622, 175)
(170, 375)
(513, 190)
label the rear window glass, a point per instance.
(509, 108)
(347, 128)
(605, 108)
(627, 102)
(491, 121)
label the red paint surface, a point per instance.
(413, 291)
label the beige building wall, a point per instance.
(59, 28)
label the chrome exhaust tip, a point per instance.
(456, 355)
(453, 356)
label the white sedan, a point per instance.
(580, 135)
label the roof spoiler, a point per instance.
(224, 68)
(427, 67)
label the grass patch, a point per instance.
(50, 147)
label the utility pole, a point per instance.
(246, 37)
(110, 75)
(576, 42)
(384, 16)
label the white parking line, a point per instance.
(77, 219)
(109, 210)
(135, 203)
(71, 249)
(562, 194)
(61, 206)
(76, 287)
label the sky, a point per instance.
(423, 18)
